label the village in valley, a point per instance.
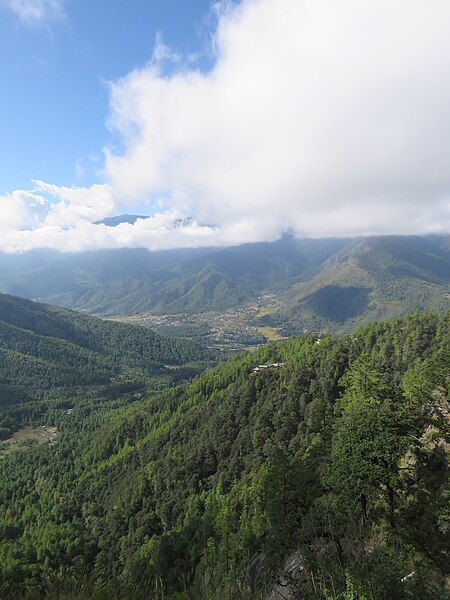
(230, 330)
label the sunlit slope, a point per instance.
(334, 452)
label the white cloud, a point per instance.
(20, 209)
(35, 11)
(74, 204)
(161, 52)
(31, 221)
(324, 117)
(331, 117)
(67, 219)
(47, 214)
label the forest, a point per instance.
(329, 454)
(46, 350)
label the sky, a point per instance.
(224, 122)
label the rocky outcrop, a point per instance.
(283, 587)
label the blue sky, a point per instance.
(53, 73)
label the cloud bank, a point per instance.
(67, 219)
(324, 117)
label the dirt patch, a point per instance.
(28, 437)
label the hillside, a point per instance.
(330, 456)
(375, 279)
(129, 282)
(320, 285)
(44, 348)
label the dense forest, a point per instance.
(308, 468)
(43, 348)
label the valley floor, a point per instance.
(229, 330)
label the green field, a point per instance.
(270, 334)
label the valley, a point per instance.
(163, 450)
(223, 295)
(231, 330)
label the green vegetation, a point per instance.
(328, 285)
(334, 458)
(46, 352)
(229, 331)
(270, 334)
(135, 282)
(376, 279)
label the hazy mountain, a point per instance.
(131, 281)
(15, 264)
(44, 276)
(327, 284)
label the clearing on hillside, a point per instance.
(27, 437)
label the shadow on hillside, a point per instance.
(337, 303)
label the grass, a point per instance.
(264, 312)
(123, 319)
(270, 334)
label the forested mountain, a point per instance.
(374, 279)
(327, 284)
(191, 280)
(42, 348)
(312, 469)
(44, 275)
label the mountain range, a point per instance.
(326, 453)
(320, 284)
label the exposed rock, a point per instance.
(252, 573)
(284, 589)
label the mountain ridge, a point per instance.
(333, 452)
(119, 219)
(389, 275)
(45, 347)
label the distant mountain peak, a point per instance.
(118, 219)
(131, 219)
